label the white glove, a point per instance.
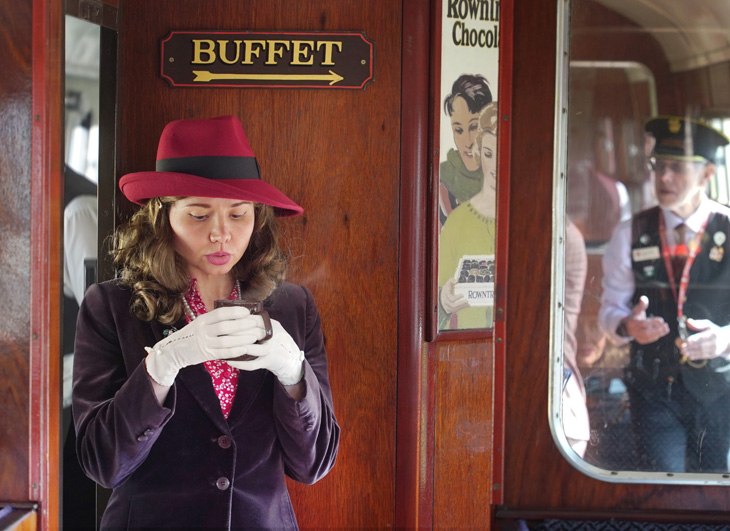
(219, 334)
(280, 355)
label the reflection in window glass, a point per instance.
(80, 221)
(719, 186)
(642, 391)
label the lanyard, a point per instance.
(680, 294)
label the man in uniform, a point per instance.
(666, 290)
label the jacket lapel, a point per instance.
(196, 379)
(250, 385)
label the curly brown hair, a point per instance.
(148, 264)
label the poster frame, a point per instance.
(503, 94)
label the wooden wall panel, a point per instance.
(536, 475)
(15, 177)
(336, 152)
(463, 434)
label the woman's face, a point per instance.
(488, 157)
(464, 125)
(211, 234)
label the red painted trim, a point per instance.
(38, 317)
(434, 147)
(44, 265)
(414, 439)
(503, 215)
(466, 334)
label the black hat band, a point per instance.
(212, 167)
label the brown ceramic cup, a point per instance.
(256, 308)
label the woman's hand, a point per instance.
(451, 302)
(280, 355)
(219, 334)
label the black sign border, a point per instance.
(360, 34)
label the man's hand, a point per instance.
(709, 342)
(642, 328)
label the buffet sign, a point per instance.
(267, 59)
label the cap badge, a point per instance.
(674, 125)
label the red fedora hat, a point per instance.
(207, 158)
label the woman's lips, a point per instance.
(218, 258)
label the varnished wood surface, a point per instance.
(336, 152)
(15, 175)
(463, 434)
(45, 294)
(30, 184)
(536, 475)
(415, 428)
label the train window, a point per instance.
(719, 185)
(640, 365)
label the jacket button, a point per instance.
(148, 431)
(224, 441)
(142, 438)
(309, 427)
(223, 483)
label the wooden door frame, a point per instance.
(415, 376)
(46, 188)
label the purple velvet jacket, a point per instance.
(183, 464)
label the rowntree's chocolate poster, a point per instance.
(467, 169)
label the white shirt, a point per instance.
(79, 243)
(618, 275)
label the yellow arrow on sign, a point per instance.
(204, 76)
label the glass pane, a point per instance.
(641, 385)
(80, 222)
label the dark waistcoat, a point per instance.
(655, 367)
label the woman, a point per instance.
(470, 231)
(187, 436)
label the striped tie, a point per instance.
(680, 250)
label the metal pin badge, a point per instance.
(717, 253)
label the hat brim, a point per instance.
(140, 186)
(683, 158)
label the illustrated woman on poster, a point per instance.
(467, 242)
(459, 175)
